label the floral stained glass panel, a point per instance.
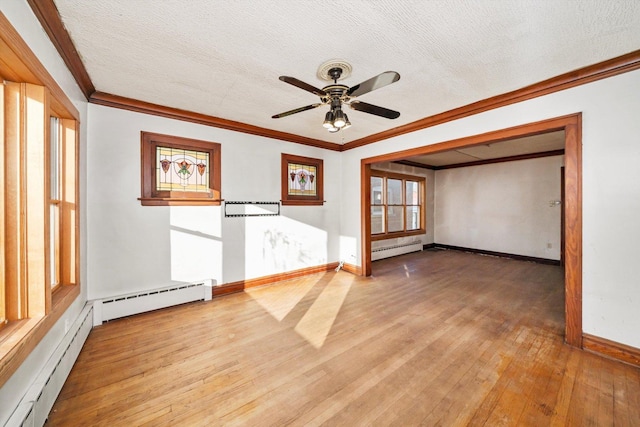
(182, 170)
(302, 180)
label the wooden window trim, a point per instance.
(150, 197)
(20, 337)
(393, 175)
(293, 200)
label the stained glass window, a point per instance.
(303, 180)
(181, 170)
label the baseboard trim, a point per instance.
(493, 253)
(611, 349)
(353, 269)
(241, 285)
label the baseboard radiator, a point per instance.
(34, 408)
(127, 305)
(394, 250)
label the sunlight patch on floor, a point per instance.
(316, 324)
(280, 303)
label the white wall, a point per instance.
(501, 207)
(133, 247)
(611, 190)
(24, 21)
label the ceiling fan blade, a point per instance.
(302, 85)
(374, 109)
(297, 110)
(374, 83)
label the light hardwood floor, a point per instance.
(433, 338)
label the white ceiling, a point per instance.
(223, 58)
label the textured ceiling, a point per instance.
(223, 58)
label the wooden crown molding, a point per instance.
(49, 18)
(108, 100)
(589, 74)
(47, 14)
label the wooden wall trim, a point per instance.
(241, 285)
(589, 74)
(611, 349)
(115, 101)
(572, 209)
(365, 219)
(47, 14)
(353, 269)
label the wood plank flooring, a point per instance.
(432, 338)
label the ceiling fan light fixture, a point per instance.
(347, 123)
(328, 120)
(336, 95)
(339, 119)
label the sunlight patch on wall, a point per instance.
(316, 324)
(276, 244)
(348, 249)
(196, 246)
(279, 304)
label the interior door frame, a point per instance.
(572, 213)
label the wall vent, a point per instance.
(127, 305)
(34, 407)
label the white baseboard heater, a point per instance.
(130, 304)
(394, 250)
(34, 407)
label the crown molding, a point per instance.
(108, 100)
(47, 14)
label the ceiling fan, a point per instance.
(335, 95)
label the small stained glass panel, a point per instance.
(302, 179)
(182, 170)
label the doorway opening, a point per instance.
(571, 253)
